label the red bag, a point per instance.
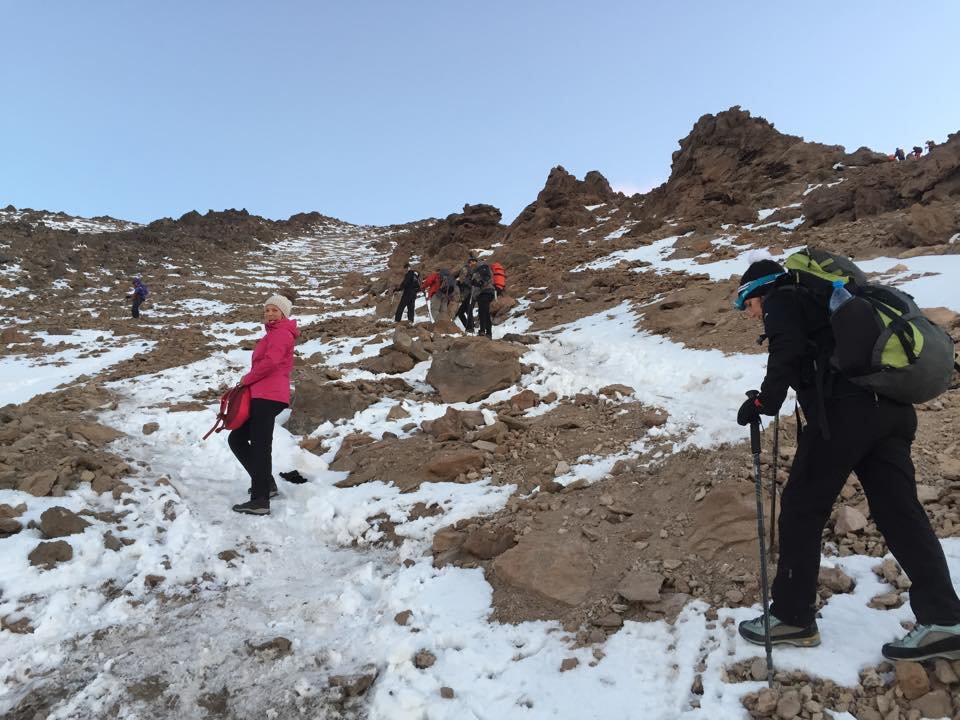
(499, 276)
(234, 410)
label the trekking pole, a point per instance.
(764, 592)
(773, 487)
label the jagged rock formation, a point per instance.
(731, 164)
(450, 240)
(562, 202)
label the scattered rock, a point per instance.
(8, 511)
(912, 680)
(788, 706)
(9, 526)
(935, 704)
(612, 391)
(150, 428)
(568, 664)
(487, 544)
(610, 620)
(641, 587)
(945, 672)
(112, 542)
(21, 626)
(397, 412)
(556, 569)
(276, 648)
(49, 554)
(447, 693)
(849, 520)
(39, 483)
(94, 433)
(402, 618)
(424, 659)
(354, 685)
(58, 521)
(453, 463)
(836, 580)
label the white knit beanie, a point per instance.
(281, 302)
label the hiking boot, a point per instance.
(925, 642)
(274, 491)
(780, 633)
(253, 507)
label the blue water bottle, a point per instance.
(839, 296)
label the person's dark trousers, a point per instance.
(871, 437)
(252, 443)
(137, 301)
(483, 313)
(407, 300)
(465, 313)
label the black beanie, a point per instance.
(757, 270)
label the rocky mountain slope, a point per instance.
(582, 469)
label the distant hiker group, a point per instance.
(478, 285)
(899, 155)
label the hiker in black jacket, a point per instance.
(410, 287)
(481, 279)
(849, 429)
(465, 311)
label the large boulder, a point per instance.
(925, 225)
(314, 403)
(389, 361)
(556, 568)
(470, 369)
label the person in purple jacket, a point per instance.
(269, 383)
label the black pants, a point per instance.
(252, 443)
(871, 438)
(137, 301)
(483, 312)
(407, 301)
(465, 312)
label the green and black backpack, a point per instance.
(883, 342)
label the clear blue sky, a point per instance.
(381, 112)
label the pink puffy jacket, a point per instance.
(269, 376)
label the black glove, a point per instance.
(749, 412)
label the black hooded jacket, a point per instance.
(801, 341)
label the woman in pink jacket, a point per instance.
(269, 383)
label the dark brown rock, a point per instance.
(487, 544)
(470, 369)
(448, 465)
(60, 522)
(48, 554)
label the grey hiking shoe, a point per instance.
(780, 633)
(925, 642)
(252, 507)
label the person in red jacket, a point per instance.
(269, 383)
